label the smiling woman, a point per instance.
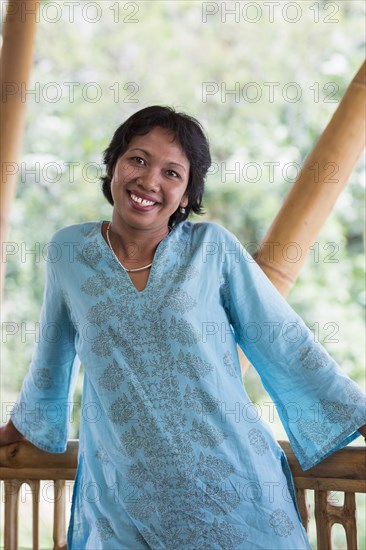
(156, 165)
(149, 179)
(177, 456)
(146, 192)
(183, 138)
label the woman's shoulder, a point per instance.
(209, 230)
(77, 233)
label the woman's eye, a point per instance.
(138, 160)
(173, 173)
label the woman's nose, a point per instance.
(149, 180)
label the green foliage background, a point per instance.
(162, 52)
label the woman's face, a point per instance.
(150, 180)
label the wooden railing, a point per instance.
(343, 471)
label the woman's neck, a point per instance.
(134, 246)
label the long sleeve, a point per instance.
(320, 407)
(44, 406)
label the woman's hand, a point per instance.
(362, 430)
(9, 434)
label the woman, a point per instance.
(172, 454)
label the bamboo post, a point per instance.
(324, 175)
(284, 248)
(15, 67)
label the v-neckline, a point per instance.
(116, 261)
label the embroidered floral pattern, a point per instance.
(101, 312)
(90, 254)
(185, 273)
(183, 332)
(257, 441)
(337, 412)
(281, 523)
(104, 529)
(112, 377)
(227, 535)
(354, 392)
(179, 301)
(138, 474)
(206, 435)
(212, 468)
(314, 431)
(97, 284)
(193, 366)
(101, 454)
(326, 446)
(200, 401)
(42, 379)
(131, 441)
(218, 500)
(121, 410)
(229, 363)
(313, 358)
(142, 508)
(56, 435)
(31, 419)
(103, 345)
(148, 536)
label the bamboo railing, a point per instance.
(343, 471)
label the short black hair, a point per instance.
(190, 136)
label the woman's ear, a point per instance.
(184, 201)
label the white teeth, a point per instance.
(141, 201)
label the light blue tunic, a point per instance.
(173, 454)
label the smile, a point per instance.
(140, 201)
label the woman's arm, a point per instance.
(321, 408)
(49, 383)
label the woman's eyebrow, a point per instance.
(149, 155)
